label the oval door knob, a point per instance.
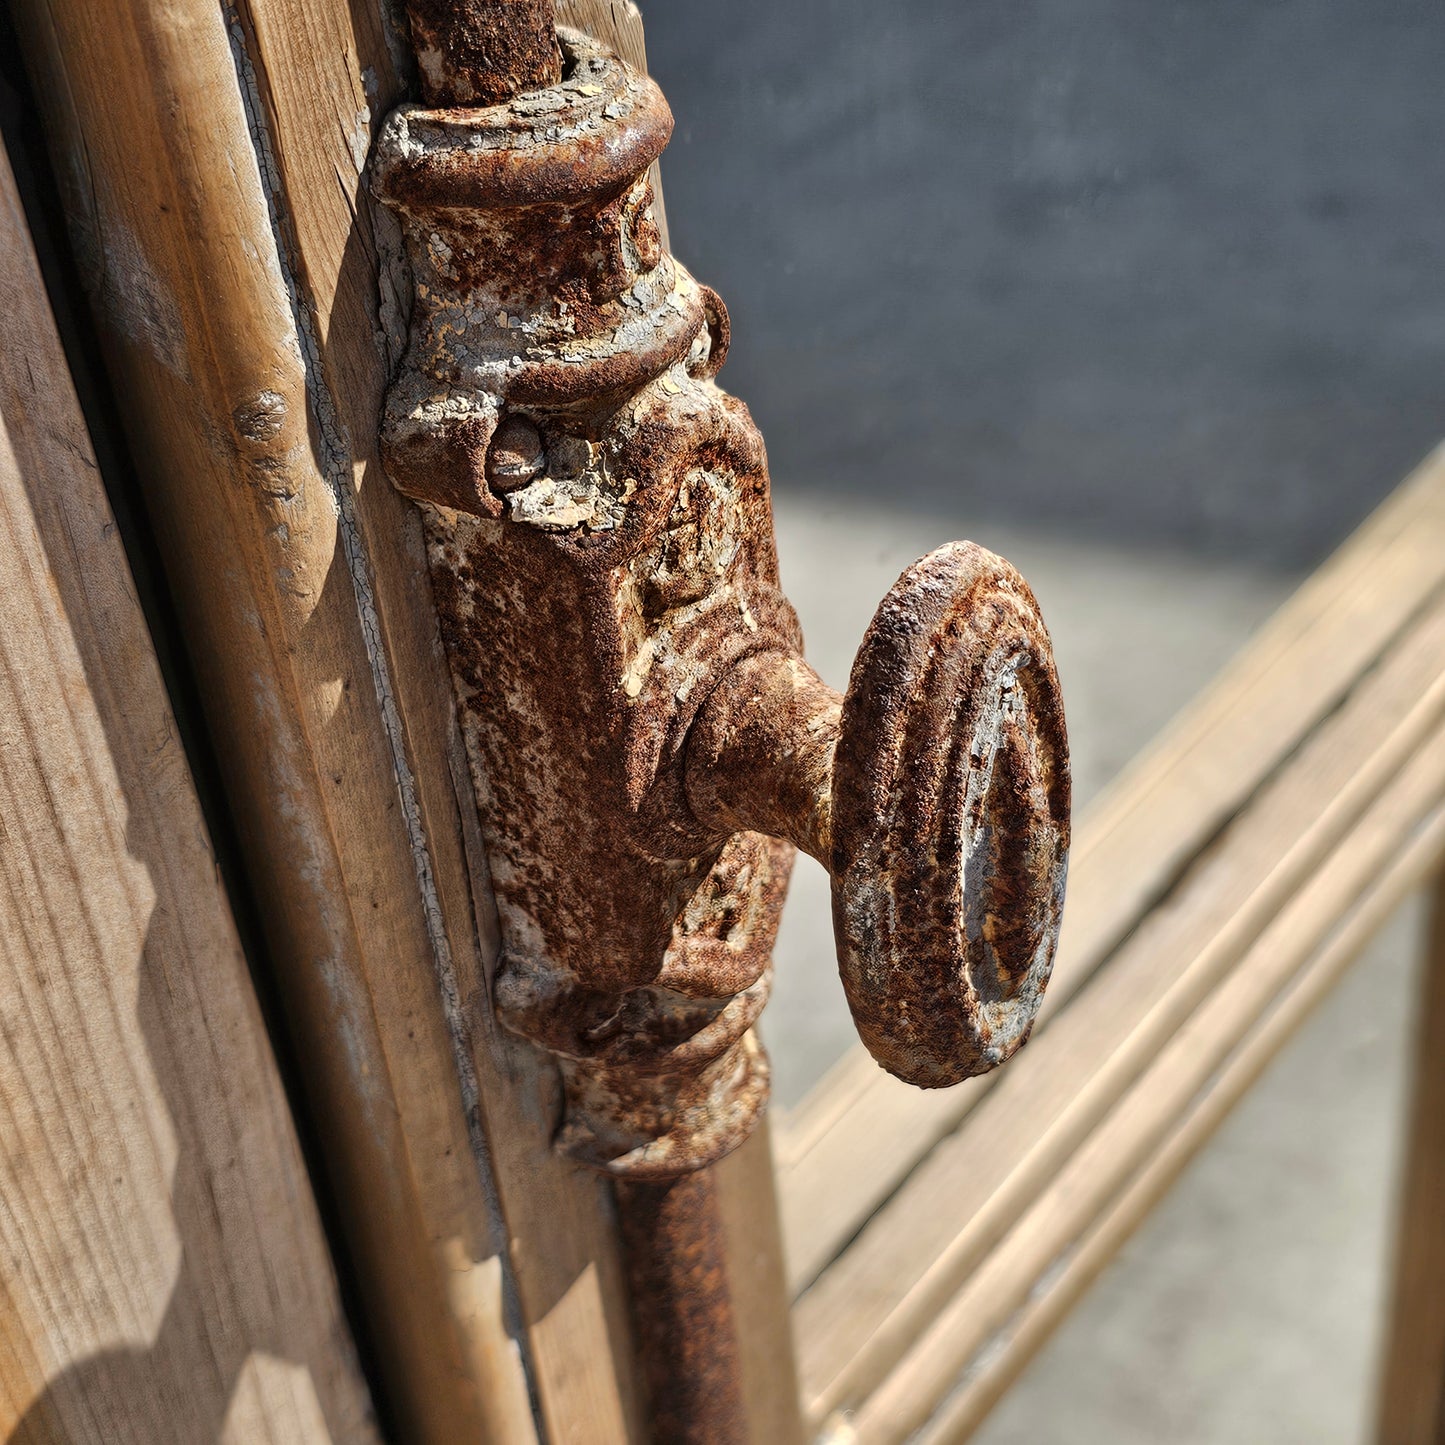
(936, 793)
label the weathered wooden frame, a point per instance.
(1216, 893)
(152, 1186)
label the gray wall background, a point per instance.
(1146, 270)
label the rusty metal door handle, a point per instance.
(644, 737)
(936, 795)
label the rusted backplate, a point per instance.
(601, 549)
(646, 742)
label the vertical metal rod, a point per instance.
(676, 1259)
(482, 52)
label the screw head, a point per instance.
(516, 455)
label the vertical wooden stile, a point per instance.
(758, 1279)
(1411, 1406)
(163, 1273)
(213, 343)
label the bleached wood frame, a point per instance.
(164, 1275)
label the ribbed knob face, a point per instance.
(950, 814)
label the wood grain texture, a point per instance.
(163, 1275)
(1411, 1405)
(757, 1285)
(1131, 847)
(169, 188)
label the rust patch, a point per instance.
(477, 52)
(950, 827)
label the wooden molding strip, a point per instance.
(871, 1304)
(994, 1368)
(1410, 1385)
(163, 1272)
(1131, 848)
